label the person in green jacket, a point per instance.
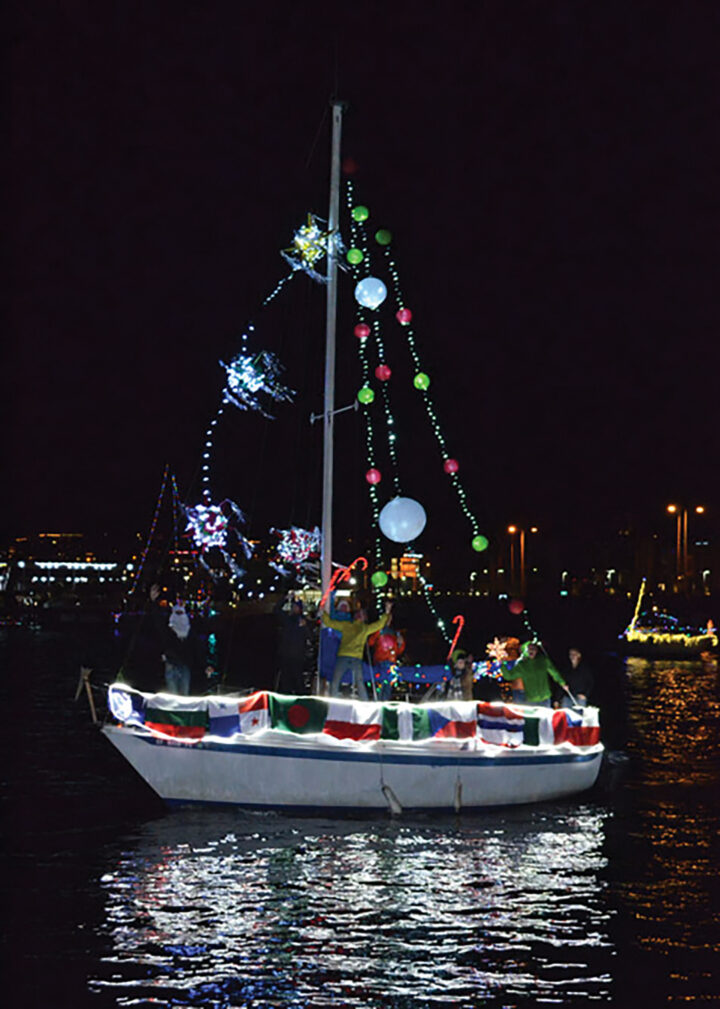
(534, 670)
(355, 633)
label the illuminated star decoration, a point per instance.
(249, 377)
(212, 526)
(497, 649)
(298, 548)
(310, 244)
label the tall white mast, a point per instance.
(329, 404)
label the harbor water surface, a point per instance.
(110, 900)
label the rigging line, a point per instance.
(153, 523)
(132, 643)
(317, 136)
(299, 431)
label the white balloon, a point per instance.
(402, 519)
(370, 292)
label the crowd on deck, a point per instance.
(363, 658)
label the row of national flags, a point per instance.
(193, 718)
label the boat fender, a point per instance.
(458, 796)
(392, 800)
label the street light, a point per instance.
(681, 536)
(512, 530)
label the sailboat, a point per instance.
(315, 754)
(654, 633)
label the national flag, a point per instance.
(353, 720)
(127, 705)
(538, 729)
(397, 722)
(254, 713)
(181, 717)
(456, 721)
(297, 714)
(581, 728)
(500, 724)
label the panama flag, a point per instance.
(581, 728)
(254, 713)
(500, 724)
(353, 720)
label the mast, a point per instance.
(330, 325)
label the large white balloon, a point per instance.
(402, 519)
(370, 292)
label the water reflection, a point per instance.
(664, 839)
(229, 910)
(675, 712)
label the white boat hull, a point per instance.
(282, 771)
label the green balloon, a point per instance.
(366, 395)
(379, 579)
(383, 236)
(421, 381)
(360, 213)
(479, 543)
(354, 256)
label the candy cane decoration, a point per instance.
(460, 620)
(342, 575)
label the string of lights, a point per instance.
(151, 534)
(359, 216)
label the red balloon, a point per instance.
(403, 315)
(383, 372)
(362, 332)
(516, 606)
(373, 476)
(451, 466)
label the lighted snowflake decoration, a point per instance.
(298, 548)
(251, 376)
(311, 242)
(216, 526)
(209, 526)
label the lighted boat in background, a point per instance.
(653, 633)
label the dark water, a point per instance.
(612, 897)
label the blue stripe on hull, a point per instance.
(356, 812)
(462, 758)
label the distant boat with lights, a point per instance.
(653, 633)
(317, 754)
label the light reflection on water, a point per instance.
(230, 909)
(675, 824)
(614, 895)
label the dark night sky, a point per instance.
(549, 171)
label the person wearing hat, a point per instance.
(456, 685)
(181, 649)
(531, 676)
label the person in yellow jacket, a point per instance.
(354, 633)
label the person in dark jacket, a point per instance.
(579, 679)
(179, 643)
(294, 638)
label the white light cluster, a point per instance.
(76, 565)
